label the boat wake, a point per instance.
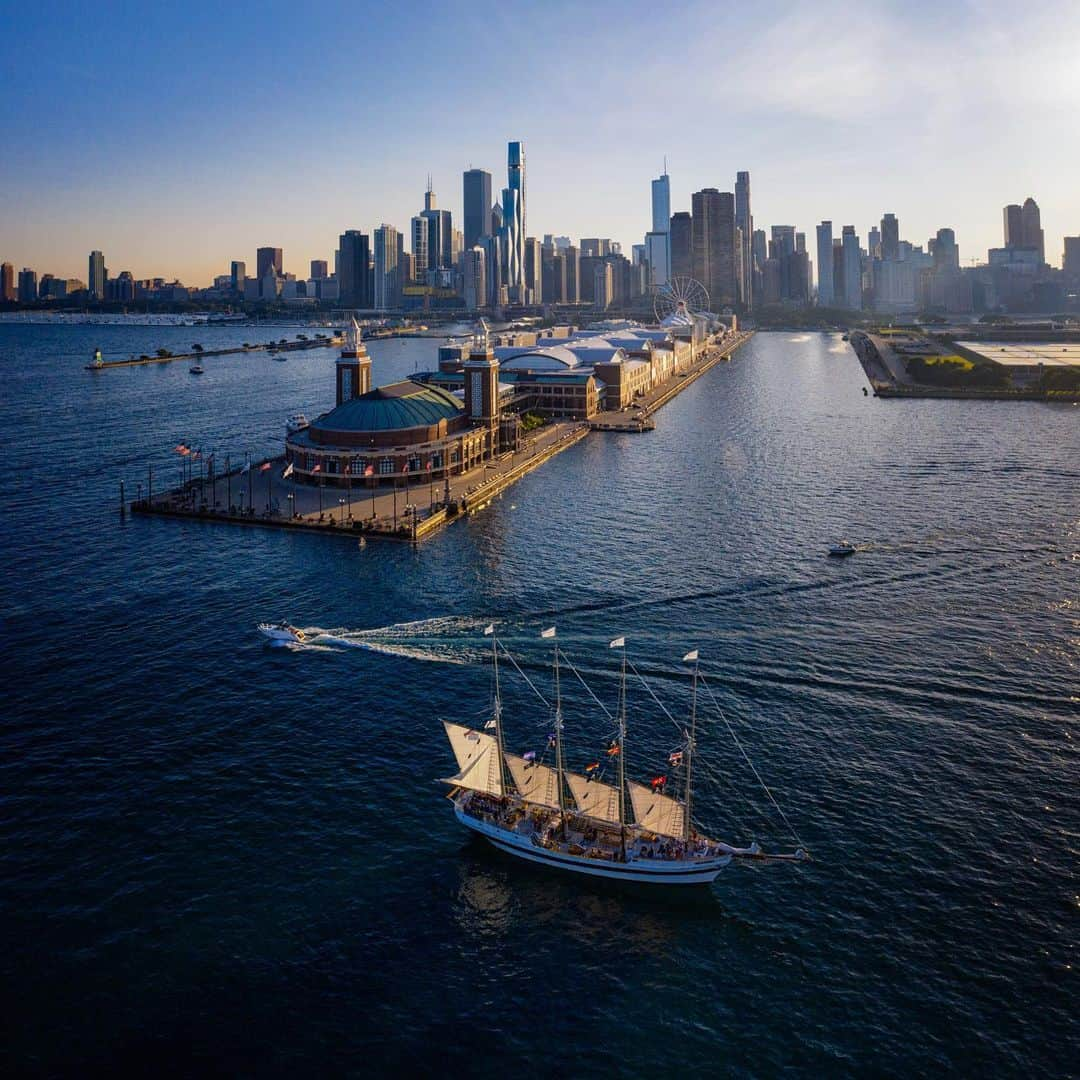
(445, 640)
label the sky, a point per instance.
(177, 137)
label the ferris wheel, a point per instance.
(680, 298)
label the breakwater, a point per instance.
(201, 354)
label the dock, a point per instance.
(297, 345)
(257, 493)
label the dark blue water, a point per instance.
(218, 856)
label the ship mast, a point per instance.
(558, 742)
(690, 656)
(496, 709)
(620, 643)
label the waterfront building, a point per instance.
(387, 290)
(354, 269)
(825, 294)
(319, 269)
(713, 244)
(7, 282)
(744, 221)
(28, 285)
(267, 258)
(476, 191)
(656, 251)
(475, 279)
(852, 262)
(680, 243)
(237, 276)
(97, 276)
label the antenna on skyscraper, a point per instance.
(665, 164)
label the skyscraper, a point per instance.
(1070, 259)
(890, 237)
(514, 221)
(237, 276)
(387, 281)
(28, 285)
(440, 239)
(825, 295)
(418, 227)
(680, 242)
(744, 220)
(267, 258)
(1014, 229)
(96, 276)
(319, 269)
(354, 269)
(945, 252)
(534, 271)
(475, 279)
(476, 204)
(7, 280)
(658, 239)
(661, 203)
(853, 268)
(1031, 226)
(713, 244)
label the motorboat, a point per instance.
(197, 369)
(282, 632)
(842, 550)
(296, 422)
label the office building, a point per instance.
(679, 243)
(852, 262)
(1014, 229)
(7, 282)
(945, 252)
(319, 269)
(1070, 260)
(713, 245)
(534, 267)
(475, 278)
(514, 222)
(657, 259)
(1031, 227)
(28, 285)
(890, 237)
(354, 270)
(661, 203)
(477, 205)
(387, 281)
(237, 276)
(418, 227)
(825, 294)
(573, 274)
(744, 221)
(97, 276)
(267, 258)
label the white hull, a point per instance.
(281, 633)
(644, 871)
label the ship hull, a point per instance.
(643, 871)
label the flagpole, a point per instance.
(558, 741)
(690, 749)
(269, 495)
(622, 755)
(498, 713)
(228, 482)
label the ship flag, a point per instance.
(288, 471)
(549, 632)
(618, 643)
(692, 655)
(489, 629)
(264, 467)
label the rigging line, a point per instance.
(588, 688)
(764, 786)
(517, 668)
(663, 708)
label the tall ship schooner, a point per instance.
(584, 822)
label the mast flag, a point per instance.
(618, 643)
(549, 632)
(691, 656)
(489, 629)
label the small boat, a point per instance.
(842, 550)
(197, 369)
(279, 357)
(282, 632)
(297, 422)
(532, 806)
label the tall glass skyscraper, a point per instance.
(476, 205)
(744, 222)
(825, 294)
(386, 267)
(513, 209)
(661, 203)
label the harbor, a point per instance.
(414, 505)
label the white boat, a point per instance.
(842, 550)
(197, 369)
(579, 822)
(297, 422)
(282, 632)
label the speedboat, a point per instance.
(842, 550)
(296, 422)
(282, 632)
(197, 369)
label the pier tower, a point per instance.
(482, 386)
(354, 366)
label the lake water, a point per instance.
(219, 856)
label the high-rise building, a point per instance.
(514, 221)
(1070, 260)
(534, 271)
(782, 248)
(713, 244)
(418, 227)
(28, 285)
(661, 203)
(944, 251)
(387, 291)
(681, 244)
(475, 279)
(237, 276)
(320, 270)
(852, 258)
(1014, 229)
(1031, 226)
(825, 294)
(440, 239)
(7, 281)
(657, 258)
(573, 274)
(744, 221)
(97, 276)
(890, 237)
(493, 285)
(354, 269)
(267, 258)
(476, 203)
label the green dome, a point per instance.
(395, 407)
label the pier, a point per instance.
(296, 345)
(258, 494)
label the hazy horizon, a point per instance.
(177, 140)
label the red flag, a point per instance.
(370, 470)
(658, 782)
(318, 468)
(264, 466)
(612, 751)
(429, 464)
(348, 471)
(405, 467)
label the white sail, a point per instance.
(655, 812)
(594, 798)
(478, 759)
(535, 783)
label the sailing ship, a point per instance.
(580, 822)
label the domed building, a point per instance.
(405, 429)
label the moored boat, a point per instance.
(296, 422)
(581, 822)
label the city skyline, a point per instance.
(155, 183)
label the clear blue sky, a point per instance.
(176, 137)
